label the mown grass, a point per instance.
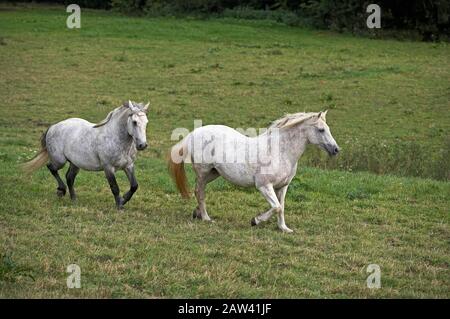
(243, 74)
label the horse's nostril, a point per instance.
(336, 150)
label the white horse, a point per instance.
(217, 150)
(110, 145)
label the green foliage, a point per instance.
(430, 19)
(336, 15)
(282, 16)
(128, 6)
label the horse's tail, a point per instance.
(39, 160)
(175, 164)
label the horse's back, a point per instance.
(211, 138)
(74, 140)
(72, 123)
(217, 132)
(70, 130)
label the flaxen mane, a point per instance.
(120, 109)
(291, 119)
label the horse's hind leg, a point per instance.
(204, 176)
(70, 178)
(61, 189)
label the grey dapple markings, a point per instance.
(110, 145)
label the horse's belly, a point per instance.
(91, 165)
(82, 157)
(236, 173)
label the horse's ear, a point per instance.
(322, 115)
(127, 104)
(132, 107)
(145, 109)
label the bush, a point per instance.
(129, 6)
(280, 15)
(431, 19)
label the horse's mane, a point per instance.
(117, 110)
(292, 119)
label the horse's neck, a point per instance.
(116, 130)
(291, 142)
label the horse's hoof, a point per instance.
(196, 214)
(253, 222)
(60, 192)
(120, 204)
(287, 230)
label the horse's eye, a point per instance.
(134, 122)
(321, 130)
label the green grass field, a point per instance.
(389, 111)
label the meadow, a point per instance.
(384, 200)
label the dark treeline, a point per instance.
(429, 18)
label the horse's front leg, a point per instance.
(281, 194)
(109, 173)
(276, 207)
(269, 194)
(129, 171)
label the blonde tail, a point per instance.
(176, 169)
(39, 160)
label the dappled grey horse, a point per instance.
(110, 145)
(217, 150)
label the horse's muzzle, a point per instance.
(141, 146)
(336, 150)
(332, 150)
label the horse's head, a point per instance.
(137, 123)
(318, 133)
